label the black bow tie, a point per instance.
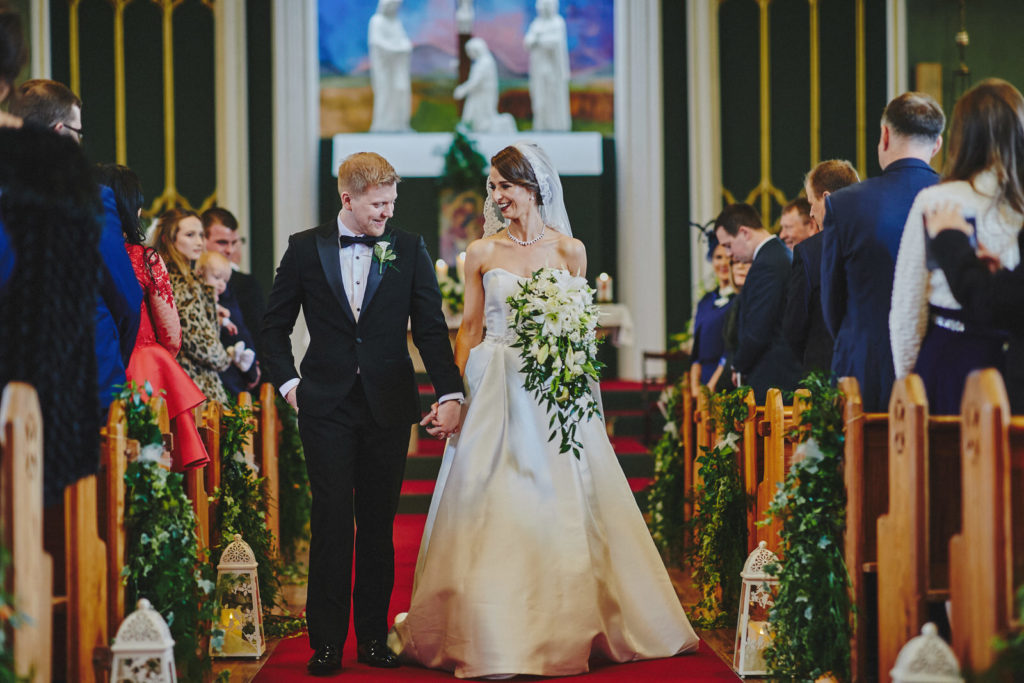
(349, 240)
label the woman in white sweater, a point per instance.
(930, 333)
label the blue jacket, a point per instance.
(118, 305)
(861, 237)
(763, 356)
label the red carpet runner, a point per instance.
(288, 662)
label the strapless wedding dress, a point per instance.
(532, 561)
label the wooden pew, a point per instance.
(267, 440)
(774, 460)
(248, 447)
(208, 422)
(913, 536)
(987, 556)
(30, 577)
(752, 465)
(686, 434)
(113, 464)
(866, 472)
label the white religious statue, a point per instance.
(480, 112)
(390, 49)
(548, 44)
(464, 16)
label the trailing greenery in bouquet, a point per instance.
(810, 622)
(720, 514)
(667, 495)
(163, 562)
(554, 318)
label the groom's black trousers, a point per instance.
(355, 466)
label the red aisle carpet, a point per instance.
(288, 662)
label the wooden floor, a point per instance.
(720, 641)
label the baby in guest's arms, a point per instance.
(244, 372)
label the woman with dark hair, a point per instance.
(709, 322)
(178, 239)
(159, 339)
(532, 561)
(932, 334)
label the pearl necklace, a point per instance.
(525, 243)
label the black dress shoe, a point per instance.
(376, 653)
(325, 661)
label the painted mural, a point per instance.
(346, 99)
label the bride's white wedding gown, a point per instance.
(532, 561)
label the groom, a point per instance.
(359, 285)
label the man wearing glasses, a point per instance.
(48, 104)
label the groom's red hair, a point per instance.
(363, 170)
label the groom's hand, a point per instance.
(444, 419)
(290, 398)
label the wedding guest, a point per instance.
(51, 105)
(221, 230)
(804, 323)
(795, 224)
(763, 358)
(244, 373)
(862, 228)
(709, 323)
(993, 297)
(152, 361)
(178, 238)
(932, 334)
(730, 333)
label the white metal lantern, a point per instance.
(241, 613)
(926, 659)
(753, 634)
(143, 648)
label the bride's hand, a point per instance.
(446, 419)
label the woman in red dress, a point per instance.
(159, 338)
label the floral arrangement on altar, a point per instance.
(720, 514)
(810, 623)
(554, 318)
(667, 496)
(453, 292)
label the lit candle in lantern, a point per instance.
(441, 268)
(604, 288)
(460, 266)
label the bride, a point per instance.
(532, 561)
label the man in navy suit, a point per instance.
(763, 358)
(862, 229)
(49, 104)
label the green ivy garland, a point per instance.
(241, 502)
(720, 515)
(10, 618)
(163, 562)
(667, 495)
(811, 618)
(294, 498)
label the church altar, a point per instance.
(421, 155)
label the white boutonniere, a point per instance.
(384, 256)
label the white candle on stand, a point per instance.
(604, 288)
(460, 266)
(441, 268)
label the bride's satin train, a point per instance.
(532, 562)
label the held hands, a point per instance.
(443, 420)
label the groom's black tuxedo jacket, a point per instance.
(309, 277)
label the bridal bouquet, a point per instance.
(555, 323)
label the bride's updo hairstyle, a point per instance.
(515, 168)
(987, 132)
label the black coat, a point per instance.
(309, 277)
